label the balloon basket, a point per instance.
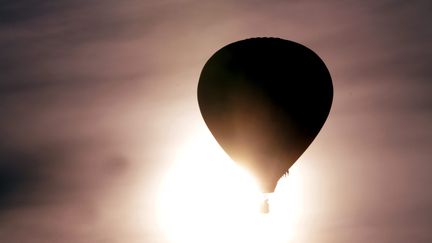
(265, 206)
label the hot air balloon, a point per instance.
(265, 100)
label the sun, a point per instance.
(206, 197)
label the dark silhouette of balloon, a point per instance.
(265, 100)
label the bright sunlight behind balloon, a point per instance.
(206, 197)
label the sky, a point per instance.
(97, 98)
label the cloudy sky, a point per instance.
(97, 96)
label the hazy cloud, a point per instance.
(96, 95)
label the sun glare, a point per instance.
(206, 197)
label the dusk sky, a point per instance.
(98, 99)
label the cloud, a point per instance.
(95, 97)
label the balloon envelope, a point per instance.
(265, 100)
